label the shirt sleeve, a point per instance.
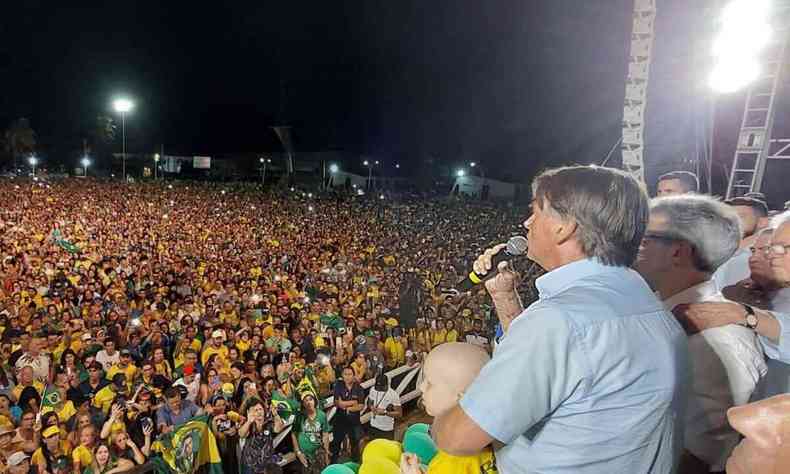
(535, 369)
(780, 351)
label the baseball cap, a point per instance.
(87, 336)
(51, 431)
(17, 458)
(218, 333)
(228, 389)
(125, 352)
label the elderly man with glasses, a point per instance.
(772, 326)
(687, 239)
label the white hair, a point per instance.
(780, 220)
(710, 226)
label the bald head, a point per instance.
(766, 429)
(447, 372)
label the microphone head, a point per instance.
(517, 245)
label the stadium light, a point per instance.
(123, 106)
(33, 162)
(743, 33)
(85, 163)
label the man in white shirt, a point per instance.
(108, 356)
(753, 215)
(687, 239)
(384, 406)
(36, 360)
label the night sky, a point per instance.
(516, 84)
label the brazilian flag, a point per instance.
(69, 247)
(285, 406)
(189, 448)
(332, 320)
(50, 400)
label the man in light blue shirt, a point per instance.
(589, 378)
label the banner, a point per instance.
(188, 447)
(201, 162)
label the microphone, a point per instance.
(516, 246)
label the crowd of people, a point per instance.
(128, 309)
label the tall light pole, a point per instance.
(156, 164)
(33, 162)
(264, 162)
(333, 170)
(123, 106)
(85, 163)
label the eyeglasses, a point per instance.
(778, 249)
(650, 236)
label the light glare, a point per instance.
(122, 105)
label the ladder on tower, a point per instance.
(754, 139)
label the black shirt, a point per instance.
(88, 391)
(342, 392)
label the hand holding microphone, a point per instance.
(502, 279)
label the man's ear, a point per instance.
(563, 230)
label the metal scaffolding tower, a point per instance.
(633, 145)
(755, 144)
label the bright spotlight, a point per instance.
(460, 173)
(333, 168)
(86, 162)
(33, 161)
(366, 163)
(729, 77)
(122, 105)
(473, 164)
(744, 31)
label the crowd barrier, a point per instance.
(404, 380)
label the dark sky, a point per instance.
(516, 84)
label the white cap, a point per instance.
(17, 458)
(218, 333)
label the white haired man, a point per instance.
(687, 239)
(772, 327)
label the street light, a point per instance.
(333, 168)
(397, 166)
(33, 162)
(85, 163)
(473, 164)
(460, 173)
(370, 172)
(123, 106)
(156, 164)
(264, 162)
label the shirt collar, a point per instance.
(563, 277)
(695, 294)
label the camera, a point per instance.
(224, 425)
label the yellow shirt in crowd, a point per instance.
(483, 463)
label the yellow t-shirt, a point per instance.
(65, 413)
(38, 455)
(83, 456)
(211, 350)
(452, 336)
(130, 371)
(18, 389)
(483, 463)
(103, 399)
(395, 352)
(439, 336)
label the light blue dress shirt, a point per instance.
(588, 379)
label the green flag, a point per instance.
(188, 447)
(57, 236)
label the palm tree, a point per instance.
(20, 139)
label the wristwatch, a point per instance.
(751, 319)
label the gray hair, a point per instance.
(709, 225)
(610, 209)
(780, 220)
